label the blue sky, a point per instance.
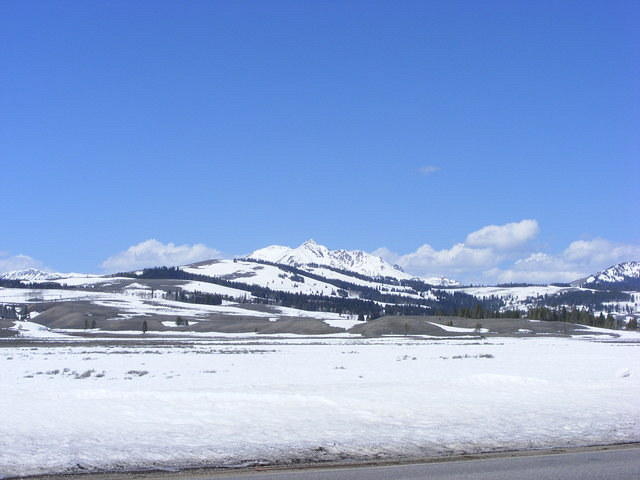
(233, 125)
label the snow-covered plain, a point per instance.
(84, 407)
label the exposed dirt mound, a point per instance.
(302, 326)
(424, 325)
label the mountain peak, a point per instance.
(623, 275)
(311, 252)
(357, 261)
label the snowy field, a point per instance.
(86, 406)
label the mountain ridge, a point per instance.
(620, 275)
(311, 256)
(30, 274)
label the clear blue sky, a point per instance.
(241, 124)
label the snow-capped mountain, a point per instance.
(622, 275)
(37, 275)
(30, 275)
(310, 252)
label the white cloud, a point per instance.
(458, 256)
(531, 276)
(579, 259)
(428, 169)
(600, 251)
(483, 249)
(495, 254)
(456, 261)
(538, 267)
(151, 253)
(509, 235)
(18, 262)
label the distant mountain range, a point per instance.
(31, 275)
(313, 278)
(310, 256)
(37, 275)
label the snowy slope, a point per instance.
(269, 276)
(525, 297)
(520, 298)
(276, 278)
(134, 303)
(517, 293)
(272, 253)
(440, 281)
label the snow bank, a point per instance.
(34, 330)
(100, 407)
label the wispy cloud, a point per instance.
(428, 169)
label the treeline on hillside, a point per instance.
(443, 303)
(360, 276)
(416, 284)
(583, 317)
(627, 284)
(268, 296)
(592, 300)
(5, 283)
(368, 292)
(10, 312)
(479, 312)
(198, 297)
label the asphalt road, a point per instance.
(623, 464)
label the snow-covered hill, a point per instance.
(267, 276)
(357, 261)
(623, 275)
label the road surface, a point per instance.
(622, 464)
(589, 463)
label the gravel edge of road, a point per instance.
(221, 472)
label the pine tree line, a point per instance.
(574, 315)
